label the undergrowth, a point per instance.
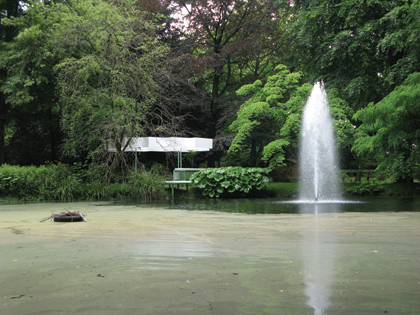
(63, 183)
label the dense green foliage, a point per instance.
(390, 131)
(80, 77)
(52, 182)
(364, 48)
(269, 120)
(106, 88)
(64, 183)
(226, 44)
(215, 182)
(268, 123)
(364, 189)
(345, 130)
(33, 130)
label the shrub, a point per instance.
(16, 181)
(364, 189)
(60, 182)
(217, 181)
(39, 183)
(146, 185)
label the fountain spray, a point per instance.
(318, 163)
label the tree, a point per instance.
(8, 9)
(108, 85)
(400, 43)
(363, 48)
(344, 128)
(29, 86)
(225, 43)
(268, 124)
(390, 131)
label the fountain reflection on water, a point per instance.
(318, 255)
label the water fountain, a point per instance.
(318, 164)
(319, 183)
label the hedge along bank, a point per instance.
(62, 182)
(42, 183)
(233, 180)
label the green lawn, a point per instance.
(282, 189)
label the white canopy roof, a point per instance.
(171, 144)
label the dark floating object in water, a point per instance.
(66, 216)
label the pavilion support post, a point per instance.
(179, 159)
(135, 166)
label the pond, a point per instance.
(262, 257)
(277, 206)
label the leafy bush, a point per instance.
(146, 185)
(364, 189)
(39, 183)
(217, 181)
(61, 182)
(14, 181)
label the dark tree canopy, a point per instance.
(29, 89)
(8, 9)
(226, 44)
(364, 48)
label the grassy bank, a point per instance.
(64, 183)
(282, 189)
(382, 189)
(291, 189)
